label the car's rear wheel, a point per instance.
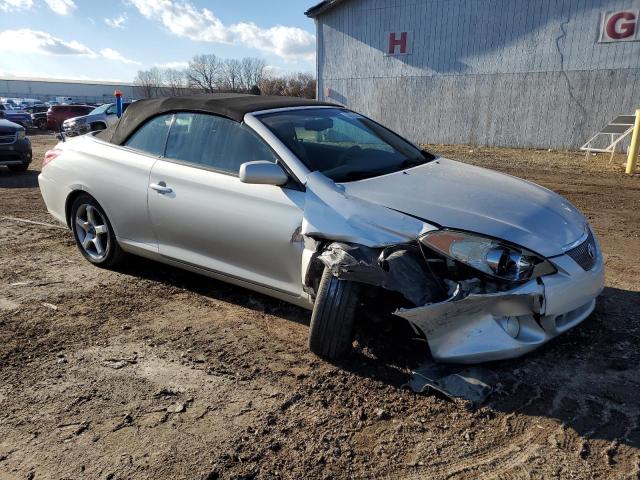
(332, 328)
(93, 233)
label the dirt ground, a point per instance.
(152, 373)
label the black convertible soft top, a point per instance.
(230, 105)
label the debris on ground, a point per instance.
(177, 407)
(473, 384)
(126, 421)
(118, 363)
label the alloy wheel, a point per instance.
(92, 231)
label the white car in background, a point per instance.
(322, 207)
(98, 119)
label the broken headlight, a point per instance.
(490, 256)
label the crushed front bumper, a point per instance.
(485, 327)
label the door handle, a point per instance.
(160, 187)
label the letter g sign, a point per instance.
(619, 26)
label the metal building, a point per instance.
(79, 90)
(524, 73)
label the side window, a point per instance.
(111, 110)
(151, 137)
(214, 142)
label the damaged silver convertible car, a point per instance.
(324, 208)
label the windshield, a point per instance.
(341, 144)
(100, 109)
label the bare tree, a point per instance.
(149, 82)
(209, 74)
(204, 72)
(231, 78)
(175, 81)
(273, 86)
(293, 85)
(301, 85)
(252, 72)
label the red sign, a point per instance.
(621, 26)
(397, 43)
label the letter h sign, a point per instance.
(397, 43)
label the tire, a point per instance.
(41, 124)
(93, 233)
(19, 168)
(332, 328)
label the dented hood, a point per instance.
(461, 196)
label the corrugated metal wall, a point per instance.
(525, 73)
(48, 90)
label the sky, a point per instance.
(112, 39)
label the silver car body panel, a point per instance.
(475, 199)
(332, 214)
(215, 221)
(265, 237)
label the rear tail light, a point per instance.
(50, 156)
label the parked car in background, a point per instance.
(98, 119)
(39, 120)
(320, 206)
(38, 114)
(57, 114)
(20, 117)
(37, 108)
(15, 147)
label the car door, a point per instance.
(203, 215)
(120, 181)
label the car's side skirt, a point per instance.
(300, 300)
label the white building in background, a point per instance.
(79, 90)
(524, 73)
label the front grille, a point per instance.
(7, 139)
(586, 253)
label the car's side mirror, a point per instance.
(263, 172)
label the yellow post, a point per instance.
(635, 143)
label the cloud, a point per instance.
(178, 65)
(35, 41)
(185, 20)
(117, 22)
(111, 54)
(61, 7)
(15, 5)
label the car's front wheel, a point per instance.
(93, 232)
(332, 328)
